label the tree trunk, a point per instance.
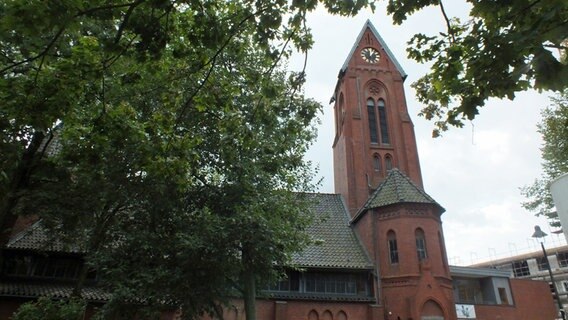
(249, 294)
(19, 180)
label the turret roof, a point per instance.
(396, 188)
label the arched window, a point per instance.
(383, 122)
(393, 248)
(372, 120)
(313, 315)
(388, 162)
(420, 245)
(377, 162)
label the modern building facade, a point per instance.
(533, 266)
(380, 253)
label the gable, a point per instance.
(368, 25)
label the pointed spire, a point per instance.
(382, 42)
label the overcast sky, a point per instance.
(474, 172)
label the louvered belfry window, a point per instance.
(378, 123)
(372, 121)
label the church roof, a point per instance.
(51, 289)
(396, 188)
(37, 238)
(391, 56)
(336, 245)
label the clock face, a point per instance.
(370, 55)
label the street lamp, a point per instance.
(539, 234)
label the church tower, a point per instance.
(377, 171)
(373, 132)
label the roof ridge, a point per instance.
(414, 185)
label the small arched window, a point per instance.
(377, 163)
(420, 245)
(372, 120)
(313, 315)
(388, 162)
(393, 248)
(383, 122)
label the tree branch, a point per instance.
(448, 24)
(125, 20)
(39, 55)
(60, 31)
(212, 62)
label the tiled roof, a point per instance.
(396, 188)
(36, 238)
(336, 245)
(13, 288)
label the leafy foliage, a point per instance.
(47, 309)
(503, 48)
(554, 130)
(163, 137)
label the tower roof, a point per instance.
(382, 42)
(396, 188)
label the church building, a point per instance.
(380, 252)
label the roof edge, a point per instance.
(369, 24)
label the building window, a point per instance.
(542, 263)
(323, 283)
(565, 286)
(468, 291)
(340, 114)
(372, 121)
(503, 296)
(393, 248)
(43, 267)
(562, 259)
(383, 122)
(331, 283)
(521, 268)
(377, 162)
(421, 245)
(289, 283)
(388, 162)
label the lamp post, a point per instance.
(539, 234)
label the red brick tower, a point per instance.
(378, 173)
(374, 132)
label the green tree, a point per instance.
(554, 131)
(175, 140)
(502, 48)
(67, 57)
(47, 309)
